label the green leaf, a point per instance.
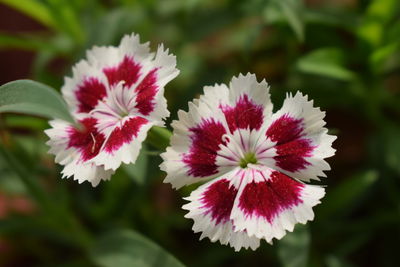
(346, 194)
(326, 62)
(138, 170)
(290, 10)
(129, 248)
(33, 98)
(26, 42)
(115, 24)
(331, 17)
(293, 249)
(67, 19)
(34, 9)
(377, 20)
(382, 54)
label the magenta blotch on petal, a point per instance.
(127, 71)
(206, 139)
(285, 129)
(86, 139)
(89, 93)
(146, 92)
(292, 156)
(271, 197)
(124, 134)
(218, 200)
(245, 114)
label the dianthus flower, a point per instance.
(116, 95)
(256, 162)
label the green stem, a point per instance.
(159, 137)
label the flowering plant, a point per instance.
(243, 163)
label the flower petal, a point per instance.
(197, 137)
(268, 203)
(130, 50)
(249, 103)
(301, 141)
(85, 88)
(123, 142)
(74, 148)
(150, 100)
(210, 208)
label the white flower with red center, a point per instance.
(257, 161)
(116, 96)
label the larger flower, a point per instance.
(116, 96)
(257, 161)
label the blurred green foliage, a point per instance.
(344, 54)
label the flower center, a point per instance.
(248, 158)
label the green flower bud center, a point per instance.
(248, 158)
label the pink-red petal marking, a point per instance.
(128, 71)
(89, 93)
(146, 91)
(246, 114)
(218, 200)
(269, 198)
(124, 134)
(291, 148)
(87, 140)
(206, 138)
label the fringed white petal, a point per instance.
(214, 229)
(285, 213)
(70, 157)
(299, 107)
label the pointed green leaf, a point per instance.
(33, 98)
(34, 9)
(291, 11)
(129, 248)
(326, 62)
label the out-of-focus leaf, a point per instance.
(382, 54)
(25, 122)
(137, 171)
(33, 98)
(379, 13)
(67, 19)
(327, 62)
(385, 147)
(115, 24)
(334, 261)
(290, 10)
(128, 248)
(331, 18)
(25, 42)
(34, 9)
(293, 249)
(342, 197)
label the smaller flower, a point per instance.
(254, 162)
(116, 96)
